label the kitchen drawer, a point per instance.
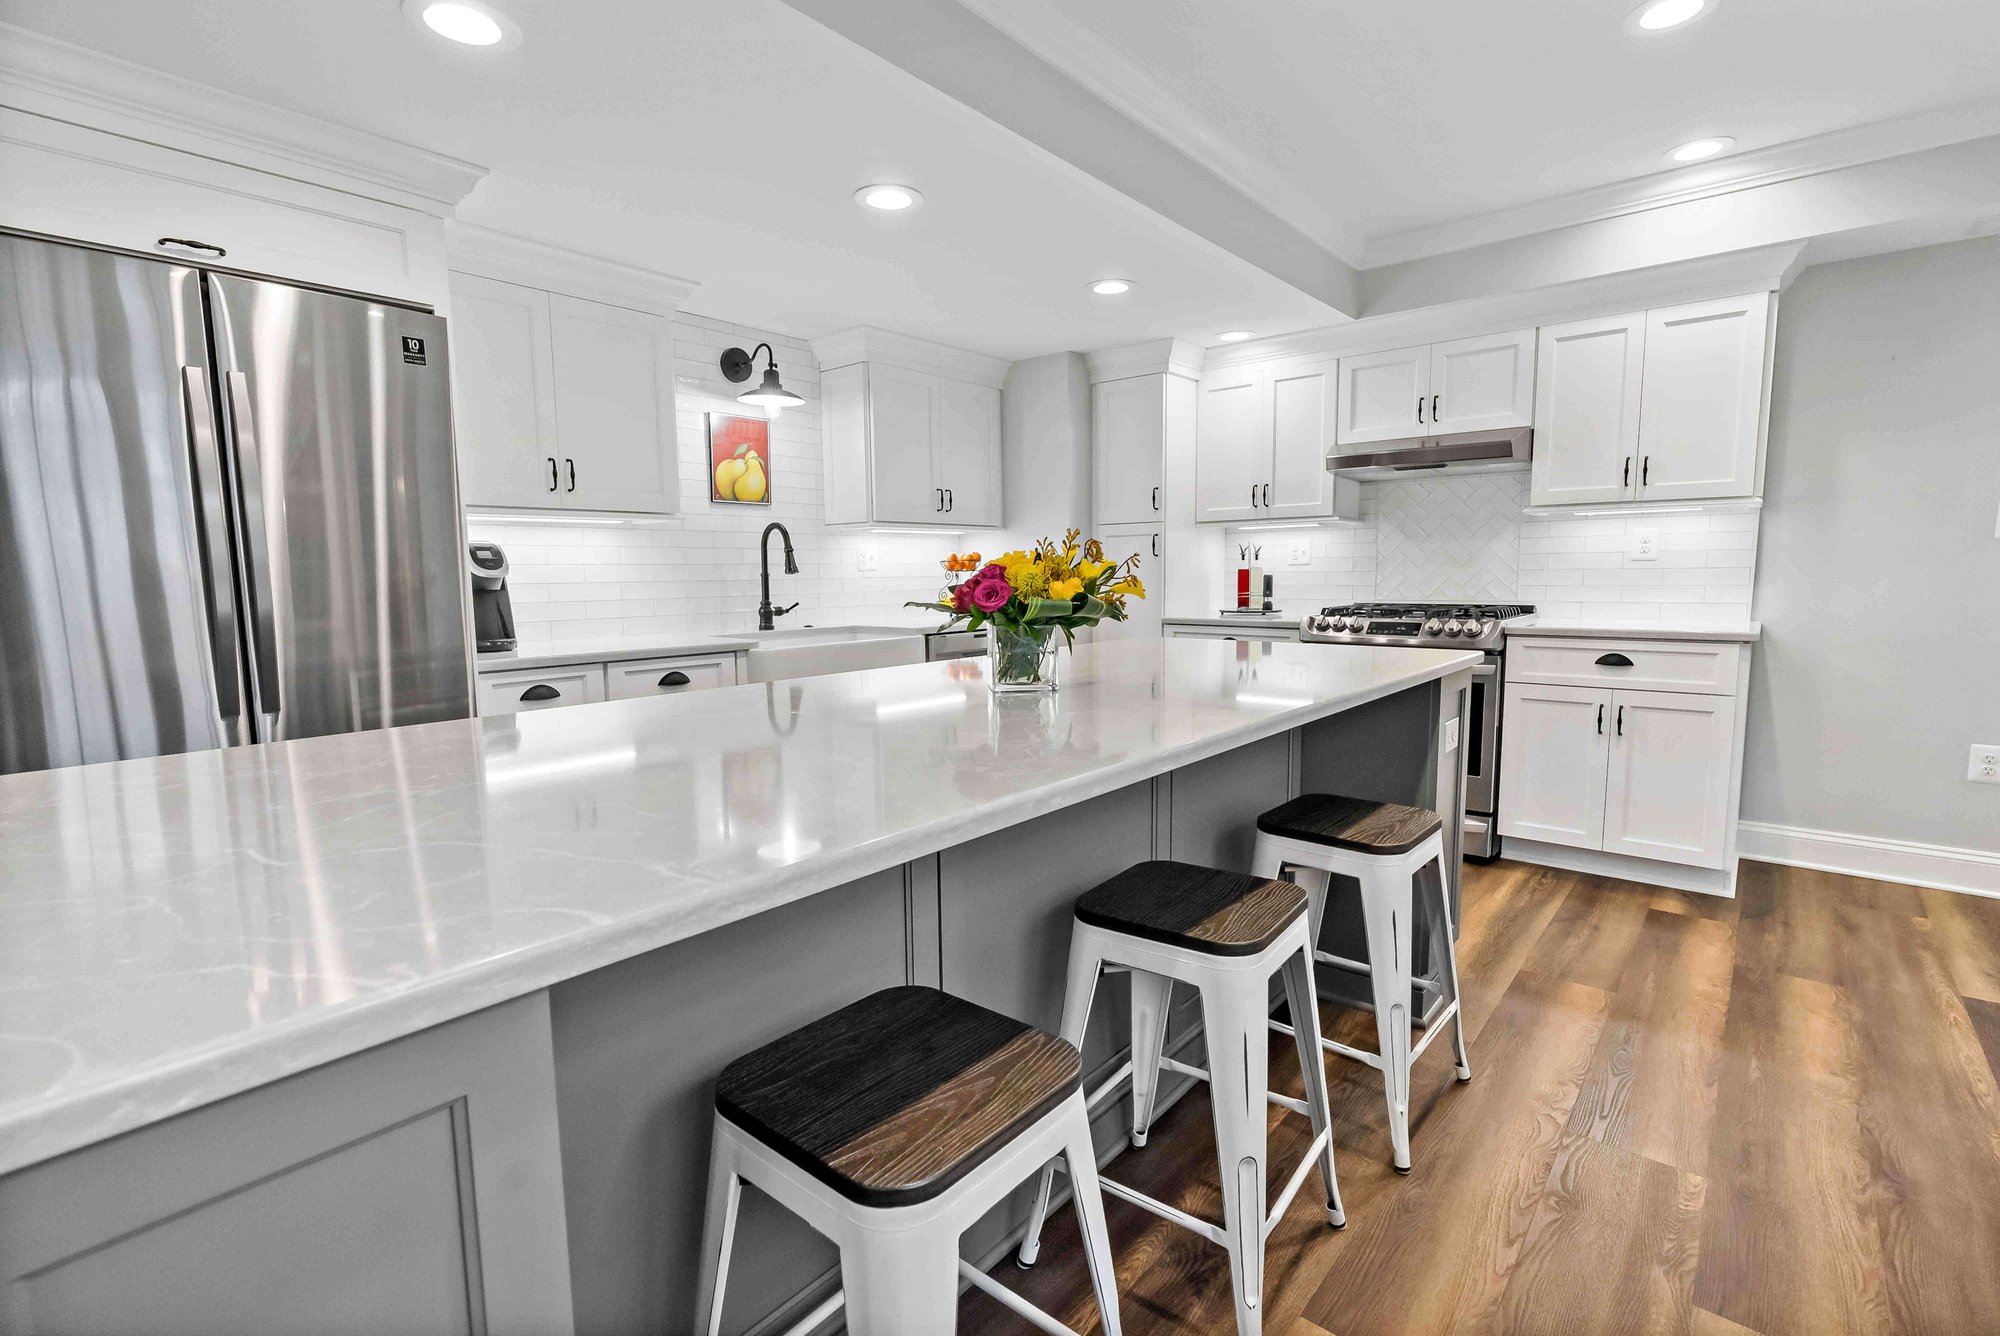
(1655, 665)
(512, 693)
(668, 677)
(1266, 633)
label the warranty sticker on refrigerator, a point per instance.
(413, 351)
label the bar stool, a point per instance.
(890, 1126)
(1224, 934)
(1383, 846)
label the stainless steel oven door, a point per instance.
(1482, 757)
(954, 645)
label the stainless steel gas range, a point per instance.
(1480, 626)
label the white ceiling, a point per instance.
(722, 143)
(1391, 116)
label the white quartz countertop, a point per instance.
(1582, 629)
(610, 649)
(1262, 622)
(179, 929)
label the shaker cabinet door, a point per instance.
(1232, 448)
(968, 460)
(1701, 424)
(1482, 384)
(1128, 428)
(1300, 400)
(1557, 745)
(503, 394)
(1384, 396)
(902, 441)
(1587, 411)
(1667, 793)
(615, 407)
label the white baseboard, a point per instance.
(1973, 871)
(1650, 872)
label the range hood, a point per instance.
(1459, 452)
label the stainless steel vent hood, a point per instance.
(1459, 452)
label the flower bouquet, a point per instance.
(1026, 597)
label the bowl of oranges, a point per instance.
(957, 565)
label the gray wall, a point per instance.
(1045, 452)
(1878, 578)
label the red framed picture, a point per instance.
(739, 460)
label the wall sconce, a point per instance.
(737, 366)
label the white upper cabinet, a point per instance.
(1478, 384)
(560, 403)
(908, 441)
(1128, 429)
(1662, 405)
(503, 378)
(1263, 433)
(1701, 422)
(614, 386)
(968, 452)
(1299, 397)
(1384, 396)
(1231, 449)
(1587, 411)
(1482, 384)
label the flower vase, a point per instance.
(1022, 660)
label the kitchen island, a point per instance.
(418, 1028)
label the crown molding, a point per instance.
(1855, 147)
(62, 81)
(544, 264)
(1762, 269)
(1042, 28)
(1155, 357)
(866, 344)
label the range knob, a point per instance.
(1435, 626)
(1453, 627)
(1485, 628)
(1357, 624)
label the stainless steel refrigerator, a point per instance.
(228, 511)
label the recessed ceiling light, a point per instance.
(1697, 149)
(1111, 287)
(467, 22)
(1660, 15)
(888, 199)
(1234, 336)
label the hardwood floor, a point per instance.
(1758, 1117)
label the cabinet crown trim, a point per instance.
(867, 344)
(49, 77)
(541, 264)
(1154, 357)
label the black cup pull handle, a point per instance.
(675, 679)
(1613, 660)
(541, 691)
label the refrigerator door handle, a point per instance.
(214, 523)
(250, 485)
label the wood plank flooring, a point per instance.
(1758, 1117)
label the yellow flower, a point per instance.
(1069, 588)
(1093, 569)
(1130, 585)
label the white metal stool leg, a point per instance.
(899, 1282)
(718, 1232)
(1152, 1000)
(1239, 1082)
(1302, 1001)
(1086, 963)
(1388, 898)
(1086, 1195)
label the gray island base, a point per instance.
(428, 1021)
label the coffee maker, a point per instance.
(492, 610)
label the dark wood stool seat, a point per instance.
(892, 1099)
(1351, 823)
(1201, 908)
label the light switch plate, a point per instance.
(1645, 545)
(1298, 552)
(868, 559)
(1984, 767)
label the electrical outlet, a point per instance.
(868, 559)
(1298, 552)
(1984, 767)
(1645, 545)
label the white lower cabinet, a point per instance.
(1666, 794)
(1642, 773)
(540, 689)
(668, 677)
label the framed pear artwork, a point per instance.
(739, 460)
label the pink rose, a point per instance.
(991, 571)
(991, 595)
(961, 597)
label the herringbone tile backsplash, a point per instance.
(1442, 538)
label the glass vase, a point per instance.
(1022, 660)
